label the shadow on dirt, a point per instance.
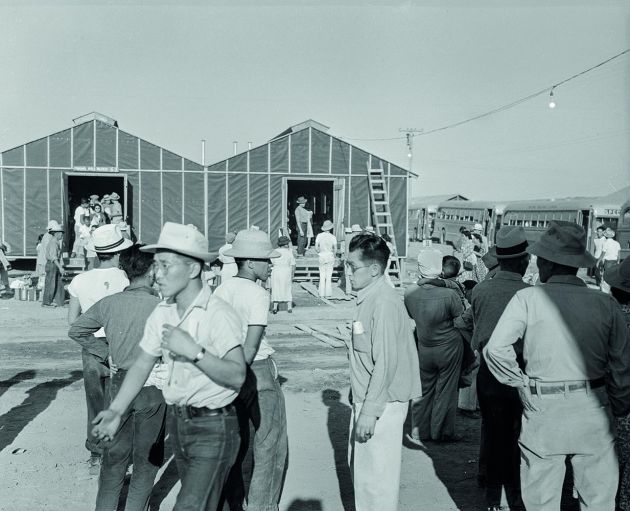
(38, 399)
(338, 423)
(305, 505)
(19, 377)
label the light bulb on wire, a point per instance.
(552, 101)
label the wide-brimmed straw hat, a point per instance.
(511, 243)
(563, 243)
(94, 196)
(53, 226)
(430, 263)
(619, 275)
(108, 239)
(105, 197)
(356, 228)
(327, 225)
(182, 239)
(114, 196)
(301, 200)
(478, 227)
(252, 244)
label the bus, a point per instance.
(421, 219)
(452, 215)
(623, 229)
(535, 215)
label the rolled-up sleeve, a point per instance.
(384, 356)
(499, 352)
(618, 381)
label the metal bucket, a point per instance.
(22, 293)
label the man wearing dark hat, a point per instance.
(199, 336)
(302, 218)
(501, 408)
(577, 370)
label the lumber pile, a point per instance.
(334, 339)
(338, 294)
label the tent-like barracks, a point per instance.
(46, 178)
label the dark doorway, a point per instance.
(319, 196)
(82, 186)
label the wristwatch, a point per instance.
(199, 356)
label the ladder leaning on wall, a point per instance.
(382, 216)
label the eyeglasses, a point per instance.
(353, 269)
(165, 267)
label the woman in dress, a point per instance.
(309, 229)
(618, 278)
(282, 276)
(98, 216)
(326, 247)
(469, 259)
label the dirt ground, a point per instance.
(42, 422)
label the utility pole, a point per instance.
(409, 134)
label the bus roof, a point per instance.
(468, 204)
(600, 205)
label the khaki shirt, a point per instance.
(213, 324)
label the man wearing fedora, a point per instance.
(501, 408)
(85, 290)
(302, 218)
(261, 400)
(577, 370)
(199, 336)
(384, 376)
(326, 247)
(53, 285)
(115, 208)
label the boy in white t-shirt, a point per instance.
(85, 290)
(261, 400)
(609, 256)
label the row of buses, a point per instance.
(441, 222)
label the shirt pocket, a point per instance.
(361, 343)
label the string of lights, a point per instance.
(547, 90)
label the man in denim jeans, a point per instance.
(140, 439)
(199, 337)
(261, 401)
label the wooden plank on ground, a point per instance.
(333, 343)
(313, 290)
(345, 338)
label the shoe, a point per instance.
(48, 305)
(290, 311)
(94, 464)
(6, 296)
(274, 311)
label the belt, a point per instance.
(190, 412)
(563, 387)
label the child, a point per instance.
(282, 276)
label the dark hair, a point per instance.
(514, 264)
(98, 205)
(623, 297)
(386, 237)
(602, 227)
(216, 262)
(134, 262)
(450, 266)
(106, 257)
(39, 238)
(84, 200)
(372, 247)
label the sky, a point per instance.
(176, 73)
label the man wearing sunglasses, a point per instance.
(384, 376)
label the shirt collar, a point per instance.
(566, 279)
(507, 275)
(370, 289)
(201, 301)
(140, 287)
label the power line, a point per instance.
(497, 110)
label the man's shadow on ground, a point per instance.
(338, 424)
(37, 400)
(19, 377)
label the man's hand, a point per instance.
(525, 394)
(179, 343)
(364, 429)
(106, 424)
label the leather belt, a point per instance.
(564, 387)
(190, 412)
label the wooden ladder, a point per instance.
(382, 216)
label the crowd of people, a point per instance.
(163, 352)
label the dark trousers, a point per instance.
(140, 440)
(4, 278)
(95, 376)
(501, 414)
(53, 286)
(261, 404)
(205, 449)
(301, 241)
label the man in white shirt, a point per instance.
(199, 336)
(598, 245)
(85, 290)
(80, 211)
(261, 400)
(609, 256)
(326, 247)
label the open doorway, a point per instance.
(80, 186)
(320, 200)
